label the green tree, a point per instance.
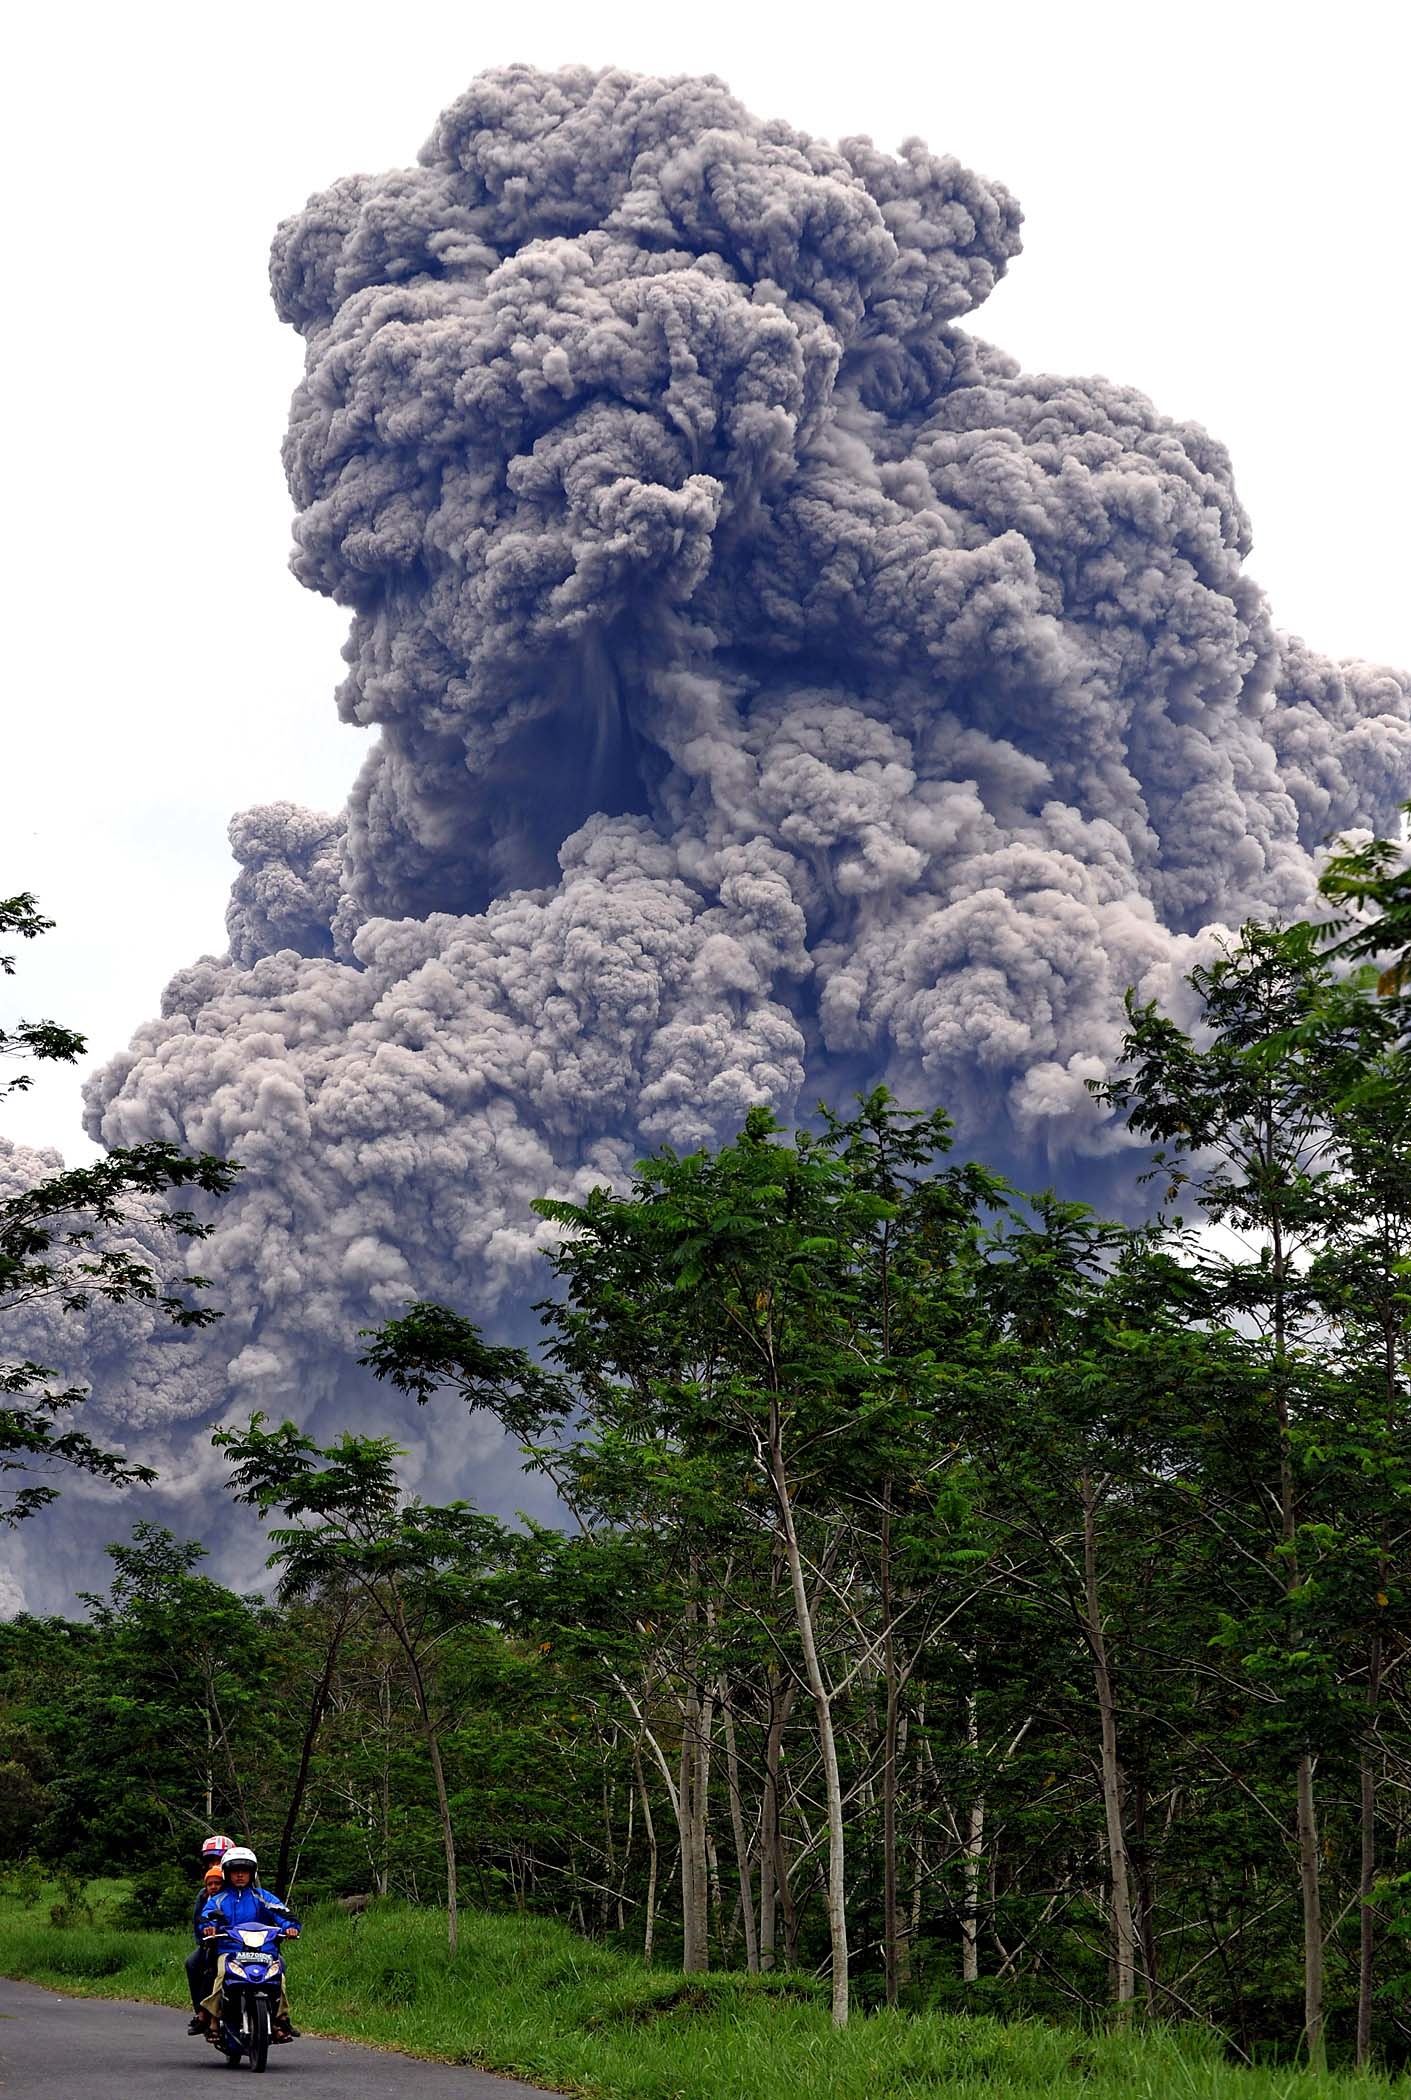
(752, 1312)
(61, 1241)
(1056, 1427)
(1361, 1279)
(347, 1529)
(1371, 887)
(44, 1040)
(151, 1714)
(1241, 1117)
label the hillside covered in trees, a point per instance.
(975, 1600)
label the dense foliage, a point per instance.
(975, 1600)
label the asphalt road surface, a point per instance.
(116, 2049)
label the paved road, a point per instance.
(116, 2049)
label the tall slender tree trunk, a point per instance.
(717, 1900)
(705, 1842)
(695, 1934)
(609, 1853)
(1310, 1885)
(827, 1741)
(743, 1862)
(625, 1868)
(384, 1785)
(693, 1795)
(1367, 1877)
(1367, 1773)
(317, 1708)
(918, 1842)
(974, 1853)
(1119, 1873)
(649, 1826)
(1143, 1900)
(680, 1792)
(766, 1898)
(903, 1855)
(775, 1894)
(443, 1811)
(1311, 1899)
(790, 1910)
(1139, 1850)
(438, 1774)
(1309, 1869)
(891, 1929)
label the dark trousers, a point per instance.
(200, 1974)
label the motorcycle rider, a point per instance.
(201, 1962)
(241, 1901)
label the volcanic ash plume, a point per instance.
(777, 691)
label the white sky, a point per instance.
(1216, 199)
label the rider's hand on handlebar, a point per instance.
(290, 1932)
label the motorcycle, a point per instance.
(250, 1993)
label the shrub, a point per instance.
(159, 1896)
(25, 1882)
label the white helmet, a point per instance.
(239, 1856)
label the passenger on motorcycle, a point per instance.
(201, 1962)
(241, 1901)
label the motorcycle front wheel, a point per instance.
(259, 2039)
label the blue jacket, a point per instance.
(233, 1908)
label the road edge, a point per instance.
(70, 1989)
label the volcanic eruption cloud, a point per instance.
(777, 690)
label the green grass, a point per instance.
(530, 1997)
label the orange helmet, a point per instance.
(214, 1879)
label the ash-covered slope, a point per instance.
(778, 691)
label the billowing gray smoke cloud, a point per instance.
(777, 691)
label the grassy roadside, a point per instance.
(530, 1997)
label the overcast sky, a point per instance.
(1215, 204)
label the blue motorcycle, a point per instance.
(250, 1993)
